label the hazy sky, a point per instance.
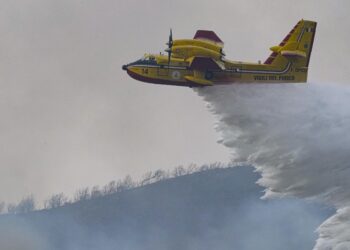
(70, 117)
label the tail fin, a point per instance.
(295, 47)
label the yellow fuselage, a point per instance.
(200, 61)
(155, 69)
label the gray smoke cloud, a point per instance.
(297, 136)
(17, 234)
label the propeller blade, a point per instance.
(171, 37)
(170, 45)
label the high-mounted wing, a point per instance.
(204, 44)
(208, 35)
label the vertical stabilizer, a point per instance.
(295, 47)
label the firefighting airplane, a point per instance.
(201, 61)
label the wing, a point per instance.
(209, 36)
(204, 44)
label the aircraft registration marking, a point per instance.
(273, 78)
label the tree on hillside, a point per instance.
(95, 192)
(179, 171)
(192, 168)
(56, 200)
(110, 188)
(125, 184)
(160, 175)
(26, 205)
(82, 194)
(146, 179)
(216, 165)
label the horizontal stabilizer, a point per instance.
(289, 50)
(293, 53)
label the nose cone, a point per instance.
(125, 67)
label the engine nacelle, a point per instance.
(198, 43)
(188, 51)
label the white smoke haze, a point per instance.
(297, 136)
(18, 235)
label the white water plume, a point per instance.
(298, 137)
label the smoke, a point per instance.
(297, 136)
(213, 209)
(18, 234)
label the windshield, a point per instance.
(147, 59)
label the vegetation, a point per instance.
(28, 204)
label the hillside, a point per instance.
(213, 209)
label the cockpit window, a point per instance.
(148, 58)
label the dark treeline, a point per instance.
(28, 203)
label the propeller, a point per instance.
(170, 45)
